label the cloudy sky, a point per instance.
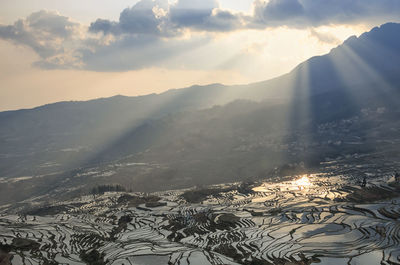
(54, 50)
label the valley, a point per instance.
(328, 218)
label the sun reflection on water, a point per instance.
(303, 182)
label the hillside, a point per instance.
(342, 104)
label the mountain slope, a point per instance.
(342, 103)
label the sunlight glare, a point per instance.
(303, 182)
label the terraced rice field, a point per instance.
(314, 220)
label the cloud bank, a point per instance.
(153, 31)
(306, 13)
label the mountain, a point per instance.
(341, 104)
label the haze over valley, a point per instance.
(296, 169)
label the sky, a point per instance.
(58, 50)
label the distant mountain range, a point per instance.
(343, 103)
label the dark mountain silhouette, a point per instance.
(342, 103)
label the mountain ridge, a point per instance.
(215, 133)
(389, 26)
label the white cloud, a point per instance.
(152, 32)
